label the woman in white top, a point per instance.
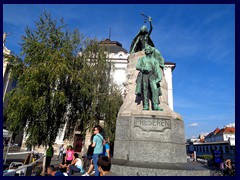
(76, 165)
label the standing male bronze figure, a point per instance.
(149, 78)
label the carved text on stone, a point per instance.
(152, 124)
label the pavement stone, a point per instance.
(21, 158)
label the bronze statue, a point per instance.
(142, 38)
(149, 78)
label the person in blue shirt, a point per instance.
(98, 147)
(106, 149)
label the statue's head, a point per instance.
(144, 29)
(148, 49)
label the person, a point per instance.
(91, 170)
(90, 149)
(64, 154)
(76, 165)
(142, 38)
(63, 166)
(52, 171)
(98, 147)
(193, 156)
(106, 149)
(69, 155)
(61, 149)
(89, 158)
(67, 159)
(49, 154)
(104, 166)
(148, 80)
(229, 168)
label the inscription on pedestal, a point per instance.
(152, 124)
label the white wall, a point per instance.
(168, 77)
(227, 136)
(119, 67)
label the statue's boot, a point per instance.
(157, 108)
(146, 107)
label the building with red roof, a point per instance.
(219, 139)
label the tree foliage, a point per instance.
(58, 85)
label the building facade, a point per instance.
(220, 139)
(8, 83)
(118, 56)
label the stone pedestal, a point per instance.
(130, 168)
(146, 140)
(150, 136)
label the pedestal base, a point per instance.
(150, 136)
(130, 168)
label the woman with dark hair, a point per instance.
(76, 165)
(89, 158)
(90, 149)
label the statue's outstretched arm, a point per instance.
(150, 21)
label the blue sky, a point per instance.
(200, 39)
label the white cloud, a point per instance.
(204, 133)
(193, 125)
(230, 125)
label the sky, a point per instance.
(199, 38)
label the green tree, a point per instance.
(65, 79)
(110, 108)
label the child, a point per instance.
(104, 166)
